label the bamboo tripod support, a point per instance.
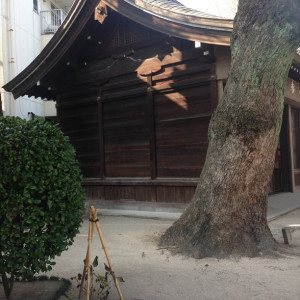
(86, 269)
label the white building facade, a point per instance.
(26, 27)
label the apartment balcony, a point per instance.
(51, 20)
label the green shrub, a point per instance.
(41, 198)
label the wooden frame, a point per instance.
(292, 178)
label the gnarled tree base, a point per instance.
(211, 238)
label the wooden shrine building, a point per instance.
(135, 95)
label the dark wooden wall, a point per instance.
(139, 120)
(78, 116)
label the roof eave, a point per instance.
(54, 50)
(204, 29)
(213, 31)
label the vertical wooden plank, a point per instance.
(290, 142)
(213, 95)
(153, 194)
(220, 90)
(213, 84)
(284, 152)
(101, 134)
(151, 127)
(297, 131)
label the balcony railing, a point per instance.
(51, 20)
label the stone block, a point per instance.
(291, 234)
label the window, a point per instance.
(35, 5)
(56, 19)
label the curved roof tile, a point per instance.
(171, 6)
(173, 13)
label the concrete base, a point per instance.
(278, 205)
(291, 235)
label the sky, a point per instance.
(216, 7)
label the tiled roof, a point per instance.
(174, 2)
(171, 6)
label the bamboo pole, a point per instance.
(82, 281)
(88, 258)
(82, 278)
(95, 212)
(86, 268)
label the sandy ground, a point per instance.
(153, 273)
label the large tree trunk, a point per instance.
(228, 212)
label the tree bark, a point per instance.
(227, 215)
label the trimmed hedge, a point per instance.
(41, 198)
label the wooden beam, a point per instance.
(195, 81)
(77, 102)
(101, 134)
(186, 71)
(142, 67)
(220, 90)
(213, 95)
(151, 126)
(101, 12)
(192, 182)
(291, 152)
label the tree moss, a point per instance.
(247, 124)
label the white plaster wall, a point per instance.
(49, 108)
(45, 39)
(20, 44)
(7, 55)
(26, 34)
(26, 105)
(1, 59)
(21, 41)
